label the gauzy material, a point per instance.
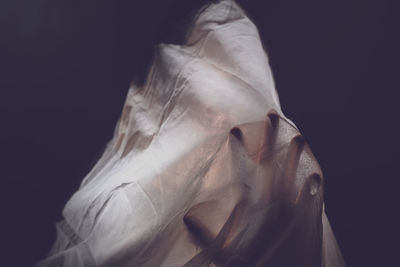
(204, 169)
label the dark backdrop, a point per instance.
(66, 66)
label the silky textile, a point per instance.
(203, 169)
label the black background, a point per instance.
(66, 66)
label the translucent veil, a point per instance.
(204, 169)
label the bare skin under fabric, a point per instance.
(204, 169)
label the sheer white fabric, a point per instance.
(204, 169)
